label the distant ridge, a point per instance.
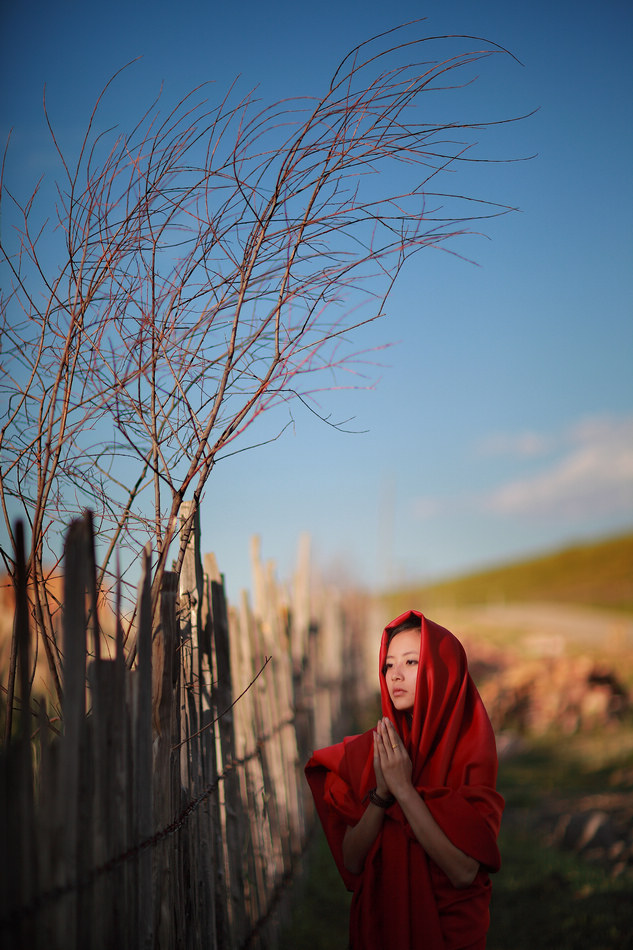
(598, 574)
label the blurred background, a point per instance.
(491, 417)
(550, 646)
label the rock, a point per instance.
(585, 831)
(568, 694)
(598, 832)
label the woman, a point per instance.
(410, 809)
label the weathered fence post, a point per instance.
(112, 758)
(189, 620)
(231, 883)
(170, 812)
(70, 794)
(275, 630)
(302, 647)
(144, 823)
(197, 740)
(166, 761)
(328, 669)
(19, 871)
(259, 850)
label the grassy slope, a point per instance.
(597, 575)
(543, 898)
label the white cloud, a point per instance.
(585, 473)
(593, 476)
(516, 445)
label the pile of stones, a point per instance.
(569, 694)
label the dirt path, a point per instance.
(548, 629)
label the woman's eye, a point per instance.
(412, 662)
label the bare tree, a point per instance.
(200, 269)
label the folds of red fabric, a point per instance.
(402, 899)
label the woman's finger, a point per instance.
(377, 760)
(383, 745)
(380, 748)
(391, 736)
(377, 746)
(380, 733)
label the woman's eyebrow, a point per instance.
(406, 653)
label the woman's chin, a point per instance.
(402, 703)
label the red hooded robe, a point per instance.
(402, 899)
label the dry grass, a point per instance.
(546, 897)
(595, 575)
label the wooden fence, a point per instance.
(169, 808)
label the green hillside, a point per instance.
(597, 575)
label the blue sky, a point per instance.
(501, 419)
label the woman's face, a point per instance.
(401, 668)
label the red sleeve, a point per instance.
(470, 817)
(339, 778)
(338, 795)
(334, 822)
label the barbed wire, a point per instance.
(195, 735)
(88, 878)
(278, 892)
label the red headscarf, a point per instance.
(402, 899)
